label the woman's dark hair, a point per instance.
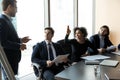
(82, 29)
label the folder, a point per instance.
(112, 63)
(92, 62)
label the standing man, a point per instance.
(9, 39)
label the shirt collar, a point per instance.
(48, 42)
(7, 16)
(101, 37)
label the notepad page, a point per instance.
(109, 62)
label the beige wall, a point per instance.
(107, 12)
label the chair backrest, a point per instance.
(66, 47)
(38, 71)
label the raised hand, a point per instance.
(68, 30)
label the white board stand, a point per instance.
(6, 66)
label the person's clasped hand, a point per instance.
(24, 40)
(102, 50)
(49, 63)
(22, 46)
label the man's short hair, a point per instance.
(6, 3)
(50, 28)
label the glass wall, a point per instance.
(30, 19)
(61, 16)
(85, 15)
(30, 22)
(0, 7)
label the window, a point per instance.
(0, 7)
(31, 19)
(61, 16)
(85, 14)
(30, 22)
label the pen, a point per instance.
(106, 76)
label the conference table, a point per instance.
(82, 71)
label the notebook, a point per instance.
(109, 63)
(92, 62)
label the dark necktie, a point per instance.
(50, 51)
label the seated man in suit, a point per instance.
(101, 40)
(45, 52)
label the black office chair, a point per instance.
(38, 70)
(67, 48)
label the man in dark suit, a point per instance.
(42, 55)
(101, 40)
(9, 39)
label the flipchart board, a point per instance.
(6, 66)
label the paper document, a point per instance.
(60, 58)
(111, 48)
(117, 52)
(109, 62)
(95, 57)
